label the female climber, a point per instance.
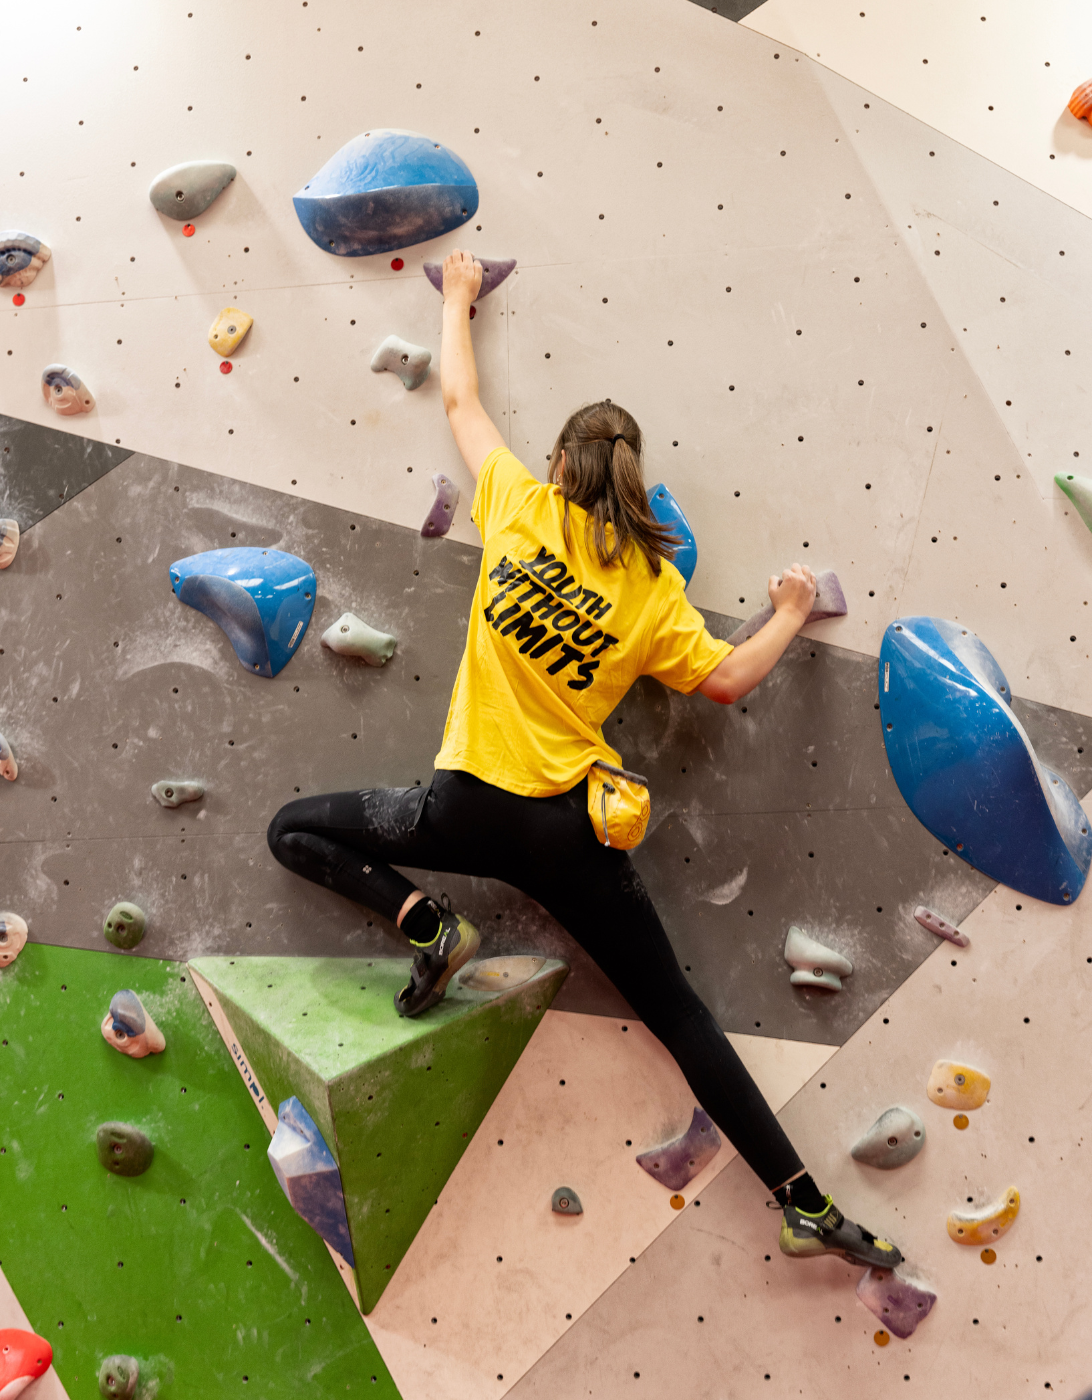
(576, 598)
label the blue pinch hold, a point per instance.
(667, 511)
(127, 1013)
(262, 598)
(386, 189)
(309, 1176)
(966, 767)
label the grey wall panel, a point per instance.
(108, 683)
(41, 468)
(730, 9)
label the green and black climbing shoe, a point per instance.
(436, 963)
(805, 1235)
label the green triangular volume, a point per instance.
(1079, 491)
(397, 1101)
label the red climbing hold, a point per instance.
(225, 366)
(472, 313)
(23, 1358)
(188, 230)
(397, 264)
(18, 299)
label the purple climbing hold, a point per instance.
(494, 271)
(677, 1162)
(899, 1304)
(935, 924)
(830, 601)
(438, 521)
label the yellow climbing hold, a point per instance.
(958, 1086)
(881, 1338)
(986, 1225)
(677, 1201)
(961, 1121)
(228, 330)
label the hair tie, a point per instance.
(615, 438)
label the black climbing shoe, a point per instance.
(435, 963)
(805, 1235)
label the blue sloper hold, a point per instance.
(966, 767)
(384, 190)
(262, 598)
(667, 511)
(309, 1176)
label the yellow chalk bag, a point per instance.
(619, 805)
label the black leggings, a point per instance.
(546, 847)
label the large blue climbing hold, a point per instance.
(309, 1176)
(667, 511)
(262, 598)
(384, 190)
(966, 767)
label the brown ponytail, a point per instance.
(602, 474)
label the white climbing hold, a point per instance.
(941, 927)
(13, 937)
(498, 974)
(897, 1136)
(172, 793)
(9, 541)
(349, 636)
(410, 362)
(8, 767)
(128, 1027)
(985, 1225)
(815, 964)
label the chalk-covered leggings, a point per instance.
(546, 847)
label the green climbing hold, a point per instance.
(123, 1149)
(124, 926)
(1079, 491)
(397, 1100)
(118, 1377)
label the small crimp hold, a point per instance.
(816, 965)
(229, 330)
(8, 767)
(13, 937)
(123, 1149)
(130, 1029)
(830, 601)
(9, 541)
(565, 1201)
(494, 271)
(941, 927)
(124, 926)
(65, 391)
(899, 1304)
(171, 792)
(118, 1377)
(897, 1136)
(678, 1162)
(349, 636)
(440, 517)
(984, 1226)
(22, 257)
(957, 1086)
(410, 362)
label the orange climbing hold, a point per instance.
(1080, 104)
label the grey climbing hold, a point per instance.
(349, 636)
(494, 271)
(499, 974)
(123, 1149)
(679, 1161)
(440, 517)
(409, 362)
(899, 1304)
(565, 1201)
(186, 190)
(172, 792)
(896, 1137)
(941, 927)
(65, 391)
(124, 926)
(9, 541)
(130, 1029)
(118, 1377)
(815, 964)
(309, 1176)
(22, 257)
(830, 601)
(8, 767)
(1079, 491)
(13, 937)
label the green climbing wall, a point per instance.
(396, 1100)
(200, 1266)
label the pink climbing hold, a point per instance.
(494, 271)
(830, 601)
(941, 927)
(225, 366)
(18, 299)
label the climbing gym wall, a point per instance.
(844, 304)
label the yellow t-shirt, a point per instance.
(556, 640)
